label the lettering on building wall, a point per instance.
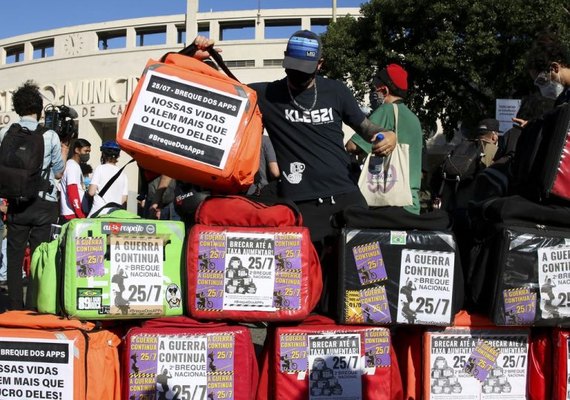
(82, 95)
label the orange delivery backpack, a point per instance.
(321, 359)
(193, 123)
(43, 356)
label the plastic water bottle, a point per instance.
(376, 161)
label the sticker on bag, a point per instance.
(36, 368)
(180, 366)
(186, 118)
(335, 366)
(478, 367)
(248, 271)
(426, 287)
(554, 282)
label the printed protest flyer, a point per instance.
(137, 271)
(369, 263)
(249, 271)
(481, 365)
(186, 118)
(182, 366)
(335, 366)
(520, 306)
(426, 287)
(554, 281)
(38, 369)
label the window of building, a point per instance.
(110, 40)
(180, 34)
(319, 25)
(204, 29)
(15, 54)
(238, 30)
(281, 28)
(274, 62)
(151, 36)
(240, 63)
(43, 49)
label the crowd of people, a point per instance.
(304, 158)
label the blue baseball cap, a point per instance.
(303, 52)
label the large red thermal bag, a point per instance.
(474, 359)
(560, 376)
(180, 358)
(320, 359)
(249, 261)
(188, 121)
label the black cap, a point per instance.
(303, 52)
(488, 125)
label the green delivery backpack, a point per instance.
(116, 266)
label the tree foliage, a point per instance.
(461, 55)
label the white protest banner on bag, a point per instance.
(186, 118)
(38, 369)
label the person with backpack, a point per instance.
(72, 186)
(30, 162)
(109, 184)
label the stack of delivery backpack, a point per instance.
(180, 300)
(519, 272)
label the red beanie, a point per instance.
(398, 76)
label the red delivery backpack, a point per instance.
(476, 358)
(43, 356)
(560, 376)
(180, 358)
(320, 358)
(249, 261)
(193, 123)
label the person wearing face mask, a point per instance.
(548, 63)
(72, 186)
(303, 114)
(390, 86)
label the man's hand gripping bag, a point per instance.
(116, 266)
(249, 261)
(49, 357)
(320, 359)
(180, 358)
(193, 123)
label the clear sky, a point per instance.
(27, 16)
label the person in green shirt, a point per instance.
(391, 85)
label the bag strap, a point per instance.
(191, 49)
(114, 207)
(113, 179)
(180, 322)
(396, 113)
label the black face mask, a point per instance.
(299, 80)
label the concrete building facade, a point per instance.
(94, 68)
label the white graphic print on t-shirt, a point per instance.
(296, 175)
(315, 117)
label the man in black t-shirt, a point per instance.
(303, 114)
